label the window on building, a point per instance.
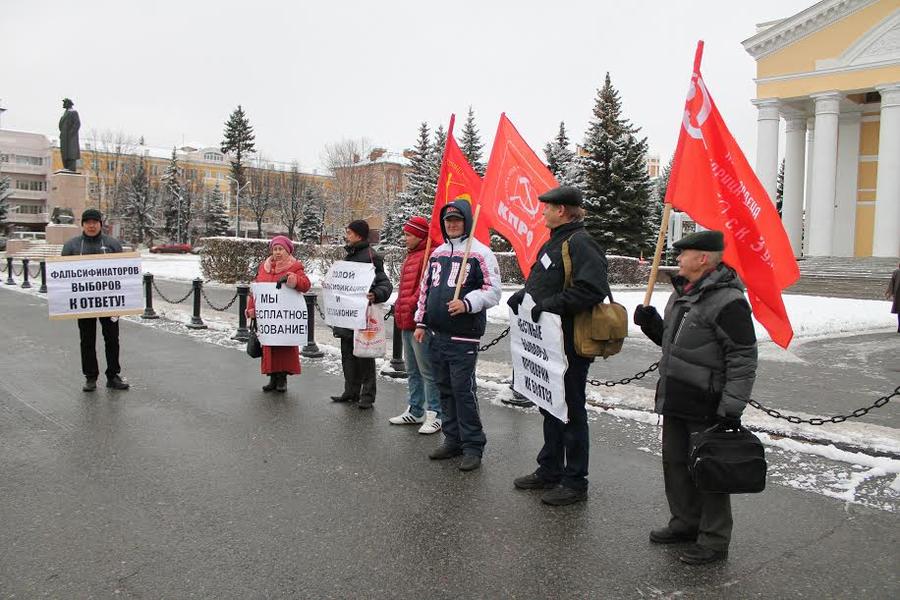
(35, 161)
(213, 156)
(110, 166)
(95, 165)
(4, 158)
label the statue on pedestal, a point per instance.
(69, 146)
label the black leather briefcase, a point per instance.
(728, 461)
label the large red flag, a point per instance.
(514, 179)
(457, 179)
(713, 183)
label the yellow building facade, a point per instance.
(832, 73)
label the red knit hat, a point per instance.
(284, 242)
(417, 226)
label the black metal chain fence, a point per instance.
(859, 412)
(626, 380)
(218, 308)
(19, 272)
(494, 341)
(36, 272)
(163, 296)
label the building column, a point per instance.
(767, 144)
(794, 169)
(886, 238)
(844, 233)
(807, 194)
(820, 211)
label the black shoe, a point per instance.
(344, 398)
(562, 495)
(470, 462)
(281, 382)
(270, 387)
(664, 535)
(117, 383)
(701, 555)
(444, 451)
(533, 482)
(90, 384)
(365, 404)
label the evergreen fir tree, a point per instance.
(215, 215)
(239, 142)
(561, 159)
(312, 222)
(4, 207)
(779, 188)
(616, 184)
(419, 193)
(139, 205)
(471, 144)
(173, 199)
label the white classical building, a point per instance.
(832, 72)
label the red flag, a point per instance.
(457, 179)
(514, 179)
(713, 183)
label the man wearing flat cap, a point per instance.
(563, 461)
(706, 375)
(93, 241)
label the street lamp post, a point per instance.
(237, 205)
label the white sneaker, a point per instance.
(432, 423)
(407, 418)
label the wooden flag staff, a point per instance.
(660, 241)
(462, 267)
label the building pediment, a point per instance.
(879, 46)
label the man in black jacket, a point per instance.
(563, 461)
(359, 373)
(93, 241)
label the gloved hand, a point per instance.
(729, 422)
(514, 302)
(281, 282)
(644, 315)
(536, 312)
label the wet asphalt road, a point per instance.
(195, 484)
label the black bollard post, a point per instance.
(25, 282)
(149, 313)
(311, 349)
(43, 288)
(242, 334)
(196, 321)
(398, 367)
(9, 272)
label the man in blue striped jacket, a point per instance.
(456, 327)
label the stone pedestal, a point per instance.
(68, 190)
(60, 234)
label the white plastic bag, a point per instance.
(370, 342)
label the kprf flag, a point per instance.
(457, 179)
(514, 179)
(713, 183)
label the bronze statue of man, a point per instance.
(69, 146)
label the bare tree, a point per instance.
(351, 188)
(260, 193)
(109, 182)
(290, 199)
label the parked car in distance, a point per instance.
(170, 249)
(198, 249)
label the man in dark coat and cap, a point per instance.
(93, 241)
(706, 375)
(563, 460)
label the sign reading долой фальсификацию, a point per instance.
(94, 285)
(344, 289)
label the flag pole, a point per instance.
(462, 267)
(437, 194)
(660, 241)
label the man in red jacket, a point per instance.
(422, 388)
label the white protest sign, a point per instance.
(538, 358)
(281, 315)
(344, 289)
(94, 285)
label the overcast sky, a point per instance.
(312, 73)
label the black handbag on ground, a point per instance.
(254, 348)
(727, 460)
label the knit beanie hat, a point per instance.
(284, 242)
(417, 226)
(360, 228)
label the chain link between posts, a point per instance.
(34, 274)
(19, 272)
(859, 412)
(163, 296)
(218, 308)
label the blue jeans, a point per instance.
(422, 389)
(454, 374)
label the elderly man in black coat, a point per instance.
(563, 461)
(69, 147)
(359, 373)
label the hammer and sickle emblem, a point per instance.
(691, 107)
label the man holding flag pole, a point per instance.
(709, 352)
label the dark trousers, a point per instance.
(359, 373)
(709, 515)
(564, 457)
(453, 367)
(87, 329)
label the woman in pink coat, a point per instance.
(280, 361)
